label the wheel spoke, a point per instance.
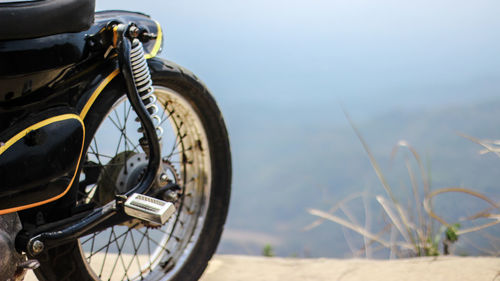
(135, 256)
(107, 245)
(156, 242)
(119, 256)
(170, 113)
(176, 144)
(131, 143)
(119, 142)
(128, 111)
(149, 249)
(186, 164)
(95, 150)
(91, 238)
(105, 256)
(120, 126)
(100, 155)
(164, 110)
(115, 122)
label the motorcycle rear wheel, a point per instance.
(196, 156)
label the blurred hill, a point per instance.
(297, 159)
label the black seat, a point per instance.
(31, 19)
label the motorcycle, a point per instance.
(114, 164)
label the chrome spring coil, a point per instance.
(144, 84)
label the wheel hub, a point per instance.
(126, 170)
(131, 173)
(108, 183)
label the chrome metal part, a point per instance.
(131, 173)
(134, 31)
(144, 84)
(22, 268)
(37, 247)
(163, 179)
(148, 208)
(29, 264)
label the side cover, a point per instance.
(39, 161)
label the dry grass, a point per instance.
(410, 229)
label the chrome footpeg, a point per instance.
(148, 208)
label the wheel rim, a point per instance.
(135, 251)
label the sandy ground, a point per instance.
(243, 268)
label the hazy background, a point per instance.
(280, 70)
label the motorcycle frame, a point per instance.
(102, 77)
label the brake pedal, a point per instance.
(148, 208)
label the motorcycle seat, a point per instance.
(32, 19)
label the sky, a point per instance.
(370, 56)
(282, 68)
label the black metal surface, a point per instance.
(41, 18)
(59, 70)
(99, 217)
(126, 17)
(36, 69)
(63, 70)
(74, 227)
(71, 232)
(41, 164)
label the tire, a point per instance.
(199, 162)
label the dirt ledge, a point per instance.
(243, 268)
(248, 268)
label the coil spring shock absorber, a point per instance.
(144, 84)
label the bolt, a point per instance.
(134, 31)
(163, 179)
(171, 196)
(37, 247)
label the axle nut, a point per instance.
(37, 247)
(163, 179)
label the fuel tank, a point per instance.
(39, 159)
